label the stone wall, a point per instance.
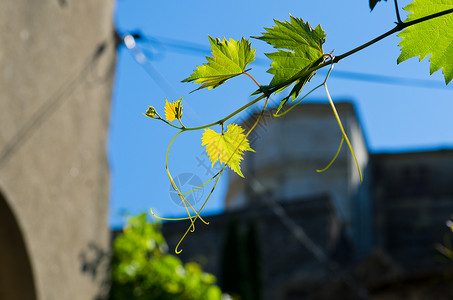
(56, 70)
(413, 198)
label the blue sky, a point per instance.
(395, 116)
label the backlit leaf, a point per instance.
(433, 37)
(228, 147)
(230, 59)
(302, 50)
(173, 110)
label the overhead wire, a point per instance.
(131, 41)
(385, 79)
(165, 44)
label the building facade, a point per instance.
(56, 71)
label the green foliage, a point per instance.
(230, 58)
(305, 51)
(373, 3)
(433, 36)
(141, 269)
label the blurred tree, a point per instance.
(142, 269)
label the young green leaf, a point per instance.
(226, 147)
(151, 112)
(230, 59)
(173, 110)
(305, 51)
(433, 37)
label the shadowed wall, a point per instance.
(56, 70)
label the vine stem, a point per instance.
(277, 115)
(342, 131)
(334, 158)
(165, 121)
(221, 121)
(398, 27)
(398, 18)
(175, 187)
(251, 77)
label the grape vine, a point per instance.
(428, 30)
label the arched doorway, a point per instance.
(16, 278)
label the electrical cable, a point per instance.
(130, 40)
(189, 48)
(385, 79)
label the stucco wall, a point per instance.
(55, 88)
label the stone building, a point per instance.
(327, 235)
(290, 149)
(56, 70)
(413, 198)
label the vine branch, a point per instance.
(221, 121)
(398, 27)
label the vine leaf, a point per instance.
(226, 147)
(433, 37)
(230, 59)
(373, 3)
(173, 110)
(302, 50)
